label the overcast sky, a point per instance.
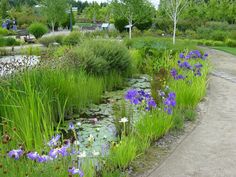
(155, 2)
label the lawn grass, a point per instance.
(231, 50)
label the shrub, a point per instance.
(8, 42)
(219, 35)
(120, 24)
(37, 29)
(100, 57)
(191, 34)
(74, 38)
(46, 41)
(230, 43)
(145, 25)
(3, 32)
(232, 35)
(160, 32)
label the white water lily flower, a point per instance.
(76, 143)
(124, 120)
(90, 138)
(82, 154)
(96, 153)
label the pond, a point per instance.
(97, 121)
(10, 64)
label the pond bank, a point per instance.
(209, 150)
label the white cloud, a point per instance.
(155, 2)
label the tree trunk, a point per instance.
(174, 32)
(130, 29)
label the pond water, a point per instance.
(98, 120)
(10, 64)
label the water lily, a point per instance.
(90, 138)
(76, 142)
(124, 120)
(96, 153)
(82, 154)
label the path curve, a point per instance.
(210, 150)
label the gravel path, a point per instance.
(210, 150)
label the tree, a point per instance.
(3, 8)
(135, 11)
(54, 11)
(173, 8)
(92, 11)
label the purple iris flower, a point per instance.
(33, 155)
(170, 103)
(53, 153)
(74, 171)
(198, 73)
(198, 65)
(185, 64)
(179, 77)
(43, 158)
(181, 55)
(152, 103)
(168, 110)
(16, 154)
(63, 151)
(204, 56)
(54, 140)
(131, 94)
(174, 72)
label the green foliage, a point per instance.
(100, 57)
(230, 43)
(54, 11)
(46, 41)
(178, 121)
(74, 38)
(231, 50)
(190, 92)
(3, 32)
(144, 25)
(66, 22)
(123, 153)
(9, 41)
(120, 24)
(4, 6)
(25, 16)
(219, 35)
(37, 29)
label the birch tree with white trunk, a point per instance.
(173, 8)
(133, 11)
(54, 11)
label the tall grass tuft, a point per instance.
(36, 101)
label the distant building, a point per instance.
(108, 26)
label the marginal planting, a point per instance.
(36, 103)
